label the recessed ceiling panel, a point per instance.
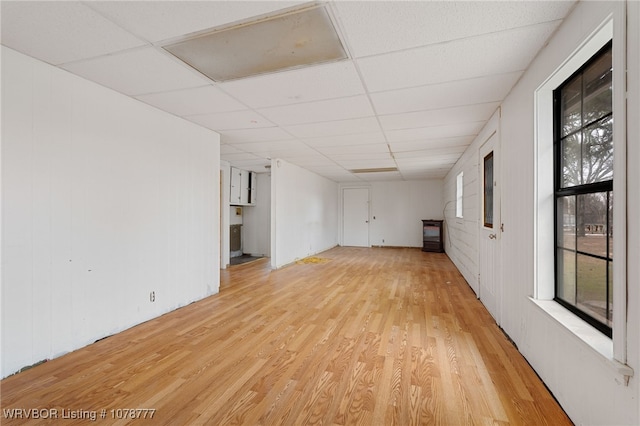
(291, 40)
(327, 81)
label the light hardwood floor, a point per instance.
(375, 336)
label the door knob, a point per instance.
(492, 236)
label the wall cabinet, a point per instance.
(243, 187)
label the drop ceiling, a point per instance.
(420, 80)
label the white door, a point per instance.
(355, 217)
(490, 288)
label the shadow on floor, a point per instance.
(239, 260)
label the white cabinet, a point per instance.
(243, 187)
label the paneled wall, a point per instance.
(588, 385)
(110, 212)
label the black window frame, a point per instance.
(576, 190)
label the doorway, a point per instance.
(355, 217)
(490, 285)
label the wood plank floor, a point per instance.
(376, 336)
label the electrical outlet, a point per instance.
(152, 296)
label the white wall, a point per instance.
(397, 209)
(104, 200)
(256, 231)
(304, 213)
(585, 383)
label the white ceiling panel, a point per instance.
(380, 176)
(199, 100)
(419, 23)
(367, 164)
(354, 149)
(279, 145)
(137, 72)
(510, 51)
(353, 139)
(254, 135)
(160, 20)
(417, 145)
(454, 115)
(479, 90)
(429, 153)
(235, 120)
(435, 132)
(339, 79)
(332, 128)
(59, 32)
(312, 112)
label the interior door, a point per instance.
(490, 288)
(355, 217)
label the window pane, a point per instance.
(488, 190)
(591, 218)
(571, 161)
(597, 89)
(592, 286)
(571, 106)
(567, 222)
(566, 276)
(597, 152)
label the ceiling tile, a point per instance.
(443, 95)
(510, 51)
(420, 23)
(235, 120)
(353, 139)
(435, 132)
(332, 128)
(460, 114)
(328, 81)
(199, 100)
(417, 145)
(161, 20)
(367, 164)
(312, 112)
(431, 153)
(59, 32)
(137, 72)
(354, 149)
(254, 135)
(381, 176)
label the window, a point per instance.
(459, 194)
(583, 191)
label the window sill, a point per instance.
(588, 335)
